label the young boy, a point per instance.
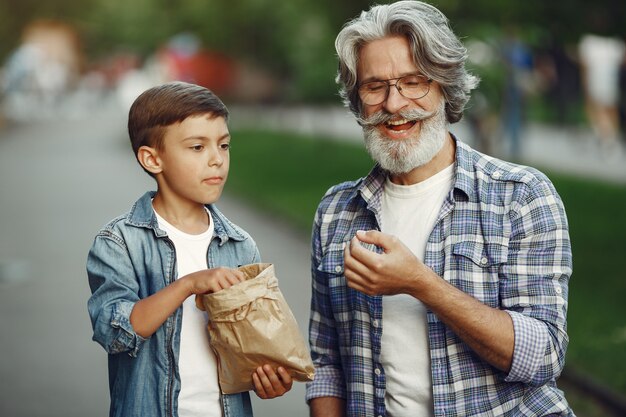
(146, 266)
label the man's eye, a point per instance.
(413, 81)
(374, 88)
(225, 146)
(197, 147)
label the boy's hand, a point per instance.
(212, 280)
(269, 384)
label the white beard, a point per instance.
(402, 156)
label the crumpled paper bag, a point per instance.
(250, 324)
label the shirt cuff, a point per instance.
(531, 341)
(328, 382)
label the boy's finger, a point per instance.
(235, 277)
(258, 386)
(285, 376)
(271, 376)
(199, 303)
(281, 382)
(265, 380)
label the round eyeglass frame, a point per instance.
(397, 80)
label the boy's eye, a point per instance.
(225, 146)
(197, 147)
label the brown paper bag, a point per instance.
(250, 324)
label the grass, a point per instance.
(288, 174)
(597, 312)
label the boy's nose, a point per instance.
(215, 159)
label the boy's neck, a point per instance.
(192, 219)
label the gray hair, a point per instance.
(437, 52)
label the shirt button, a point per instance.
(558, 290)
(377, 371)
(337, 269)
(496, 174)
(484, 261)
(375, 323)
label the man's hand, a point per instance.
(488, 331)
(395, 271)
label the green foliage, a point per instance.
(294, 40)
(141, 27)
(313, 62)
(597, 325)
(7, 32)
(289, 174)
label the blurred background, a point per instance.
(553, 95)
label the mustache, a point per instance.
(413, 115)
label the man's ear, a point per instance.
(149, 159)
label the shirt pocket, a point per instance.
(331, 265)
(343, 299)
(482, 254)
(474, 268)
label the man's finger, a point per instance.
(351, 263)
(372, 236)
(363, 255)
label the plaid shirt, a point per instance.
(502, 237)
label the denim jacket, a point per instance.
(131, 259)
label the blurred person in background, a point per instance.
(622, 99)
(518, 85)
(558, 75)
(42, 69)
(439, 280)
(601, 59)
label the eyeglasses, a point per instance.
(409, 86)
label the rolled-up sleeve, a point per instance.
(535, 285)
(114, 291)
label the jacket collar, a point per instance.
(142, 215)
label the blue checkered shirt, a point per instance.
(502, 237)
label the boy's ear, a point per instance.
(149, 159)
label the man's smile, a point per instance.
(400, 125)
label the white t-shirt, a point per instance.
(199, 395)
(409, 213)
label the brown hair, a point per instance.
(166, 104)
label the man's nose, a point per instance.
(395, 101)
